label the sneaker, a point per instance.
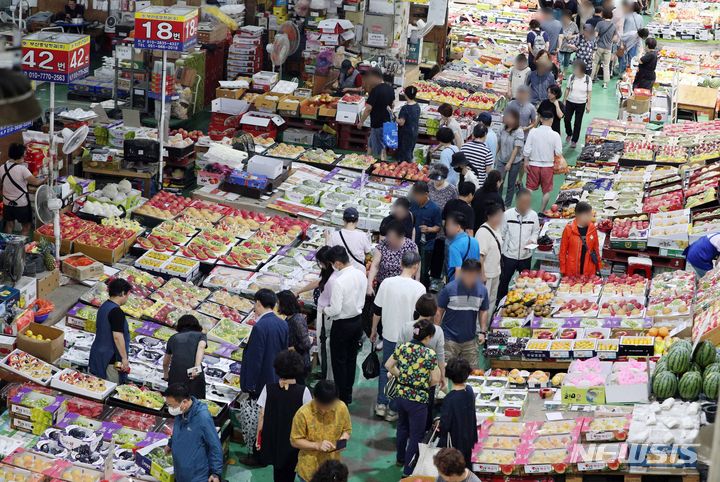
(380, 410)
(605, 85)
(391, 416)
(573, 145)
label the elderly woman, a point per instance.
(388, 255)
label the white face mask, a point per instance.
(175, 411)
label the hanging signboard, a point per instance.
(56, 57)
(166, 28)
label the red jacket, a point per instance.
(571, 251)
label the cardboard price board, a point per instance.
(166, 28)
(56, 57)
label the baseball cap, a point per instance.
(459, 159)
(345, 66)
(485, 118)
(351, 215)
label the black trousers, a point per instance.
(509, 267)
(437, 261)
(344, 345)
(285, 473)
(578, 111)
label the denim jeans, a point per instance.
(564, 58)
(388, 350)
(625, 60)
(410, 430)
(375, 141)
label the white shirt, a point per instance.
(20, 173)
(518, 78)
(356, 242)
(454, 126)
(579, 89)
(263, 397)
(397, 296)
(490, 248)
(348, 294)
(541, 146)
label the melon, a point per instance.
(664, 385)
(711, 384)
(694, 367)
(678, 361)
(712, 368)
(690, 385)
(705, 354)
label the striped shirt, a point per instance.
(480, 158)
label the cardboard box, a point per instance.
(308, 110)
(65, 244)
(47, 282)
(104, 255)
(152, 468)
(210, 34)
(21, 409)
(7, 344)
(229, 93)
(289, 105)
(267, 102)
(298, 136)
(637, 106)
(49, 349)
(345, 117)
(19, 323)
(28, 291)
(81, 273)
(9, 297)
(326, 111)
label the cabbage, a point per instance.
(124, 186)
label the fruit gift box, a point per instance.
(34, 462)
(623, 285)
(535, 279)
(621, 307)
(181, 294)
(163, 205)
(543, 461)
(602, 457)
(152, 260)
(585, 381)
(82, 384)
(249, 254)
(230, 332)
(630, 232)
(29, 367)
(33, 411)
(582, 286)
(105, 428)
(139, 396)
(605, 429)
(576, 308)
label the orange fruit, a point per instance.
(663, 331)
(653, 331)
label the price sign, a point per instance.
(53, 57)
(166, 28)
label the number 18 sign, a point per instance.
(56, 57)
(166, 28)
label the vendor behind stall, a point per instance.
(112, 336)
(73, 10)
(16, 199)
(350, 80)
(701, 255)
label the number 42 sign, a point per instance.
(53, 57)
(166, 28)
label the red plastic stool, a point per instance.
(641, 266)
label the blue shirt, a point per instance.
(492, 142)
(428, 215)
(461, 304)
(446, 159)
(461, 247)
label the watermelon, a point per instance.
(665, 385)
(690, 385)
(660, 367)
(678, 361)
(704, 353)
(711, 368)
(680, 343)
(694, 367)
(711, 384)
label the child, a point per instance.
(579, 247)
(518, 75)
(408, 124)
(458, 423)
(585, 48)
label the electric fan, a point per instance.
(286, 43)
(12, 259)
(111, 23)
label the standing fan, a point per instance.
(47, 197)
(286, 43)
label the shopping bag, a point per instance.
(249, 413)
(371, 365)
(425, 465)
(390, 135)
(560, 165)
(391, 388)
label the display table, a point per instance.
(530, 364)
(702, 100)
(146, 177)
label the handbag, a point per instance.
(391, 388)
(425, 465)
(390, 132)
(249, 416)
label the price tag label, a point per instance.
(166, 28)
(599, 436)
(590, 466)
(538, 469)
(53, 57)
(486, 468)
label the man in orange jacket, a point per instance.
(579, 247)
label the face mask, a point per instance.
(175, 411)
